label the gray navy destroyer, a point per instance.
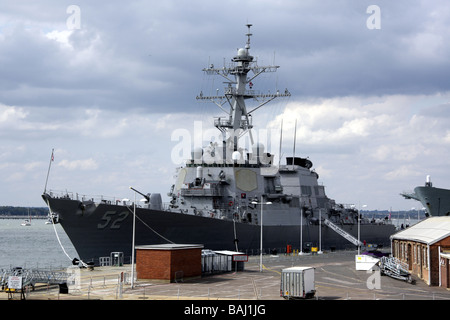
(436, 201)
(225, 195)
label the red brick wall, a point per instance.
(163, 264)
(189, 261)
(415, 254)
(445, 281)
(153, 264)
(444, 263)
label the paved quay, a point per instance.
(335, 279)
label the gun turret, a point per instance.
(146, 196)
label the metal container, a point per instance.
(297, 282)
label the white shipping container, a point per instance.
(297, 282)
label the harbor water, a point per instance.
(34, 246)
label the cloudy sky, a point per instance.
(107, 83)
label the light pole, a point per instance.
(133, 239)
(134, 234)
(359, 228)
(320, 231)
(147, 199)
(261, 239)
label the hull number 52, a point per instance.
(112, 220)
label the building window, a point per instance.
(415, 253)
(425, 258)
(403, 251)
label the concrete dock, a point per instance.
(335, 279)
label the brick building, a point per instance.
(425, 248)
(445, 269)
(168, 262)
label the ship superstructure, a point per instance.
(224, 180)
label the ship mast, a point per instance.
(238, 121)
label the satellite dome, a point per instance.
(242, 53)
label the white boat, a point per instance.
(51, 219)
(27, 222)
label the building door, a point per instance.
(447, 268)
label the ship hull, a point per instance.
(99, 229)
(435, 200)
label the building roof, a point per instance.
(170, 246)
(428, 231)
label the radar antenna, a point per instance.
(237, 119)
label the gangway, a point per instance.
(48, 276)
(395, 268)
(343, 233)
(33, 276)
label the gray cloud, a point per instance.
(139, 53)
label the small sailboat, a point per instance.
(27, 222)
